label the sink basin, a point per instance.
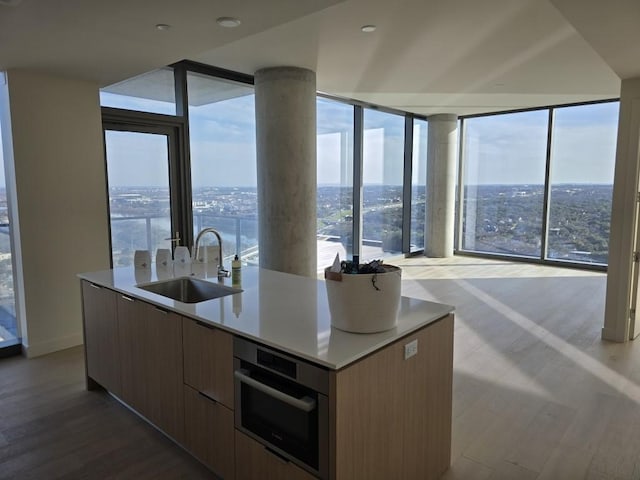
(189, 290)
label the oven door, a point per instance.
(285, 415)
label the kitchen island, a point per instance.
(389, 394)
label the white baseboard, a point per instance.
(53, 345)
(612, 335)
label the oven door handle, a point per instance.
(306, 404)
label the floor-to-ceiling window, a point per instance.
(8, 325)
(533, 184)
(223, 162)
(367, 205)
(504, 171)
(139, 194)
(538, 183)
(382, 178)
(335, 180)
(142, 138)
(418, 184)
(581, 182)
(216, 172)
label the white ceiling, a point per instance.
(426, 56)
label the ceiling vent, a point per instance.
(10, 3)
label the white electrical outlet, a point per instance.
(411, 349)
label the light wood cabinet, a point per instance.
(102, 358)
(151, 363)
(254, 460)
(209, 432)
(390, 417)
(208, 361)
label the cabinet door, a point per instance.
(101, 336)
(404, 429)
(209, 432)
(208, 361)
(254, 460)
(151, 353)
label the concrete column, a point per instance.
(286, 155)
(441, 167)
(617, 326)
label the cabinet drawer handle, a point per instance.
(277, 455)
(128, 299)
(95, 286)
(306, 404)
(162, 310)
(205, 325)
(211, 399)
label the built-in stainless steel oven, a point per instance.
(282, 402)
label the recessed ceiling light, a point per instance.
(229, 22)
(163, 26)
(368, 28)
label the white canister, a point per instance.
(142, 259)
(181, 255)
(163, 258)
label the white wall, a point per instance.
(621, 241)
(61, 203)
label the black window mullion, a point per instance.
(547, 190)
(181, 201)
(358, 138)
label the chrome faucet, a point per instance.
(221, 271)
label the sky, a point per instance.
(507, 149)
(511, 149)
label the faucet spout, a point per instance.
(221, 271)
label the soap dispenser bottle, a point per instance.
(236, 272)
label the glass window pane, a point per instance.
(223, 163)
(581, 176)
(335, 180)
(504, 158)
(383, 164)
(8, 324)
(418, 184)
(152, 92)
(140, 210)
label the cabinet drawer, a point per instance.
(208, 360)
(209, 432)
(253, 461)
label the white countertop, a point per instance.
(284, 311)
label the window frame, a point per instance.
(542, 258)
(181, 180)
(133, 121)
(177, 127)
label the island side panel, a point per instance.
(391, 417)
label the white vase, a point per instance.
(364, 303)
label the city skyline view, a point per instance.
(502, 219)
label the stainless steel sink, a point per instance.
(189, 290)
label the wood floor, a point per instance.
(537, 394)
(52, 428)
